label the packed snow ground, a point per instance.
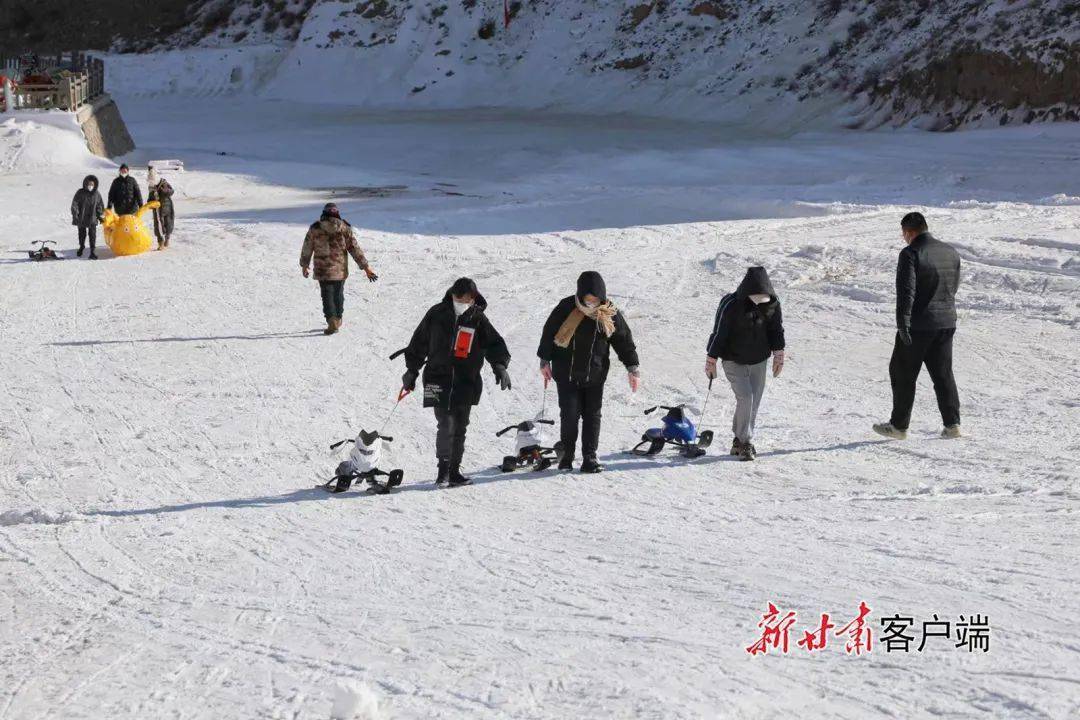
(164, 418)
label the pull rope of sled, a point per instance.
(705, 406)
(543, 403)
(402, 394)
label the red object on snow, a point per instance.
(506, 13)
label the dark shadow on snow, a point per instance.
(312, 494)
(205, 338)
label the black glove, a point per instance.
(408, 380)
(905, 336)
(502, 376)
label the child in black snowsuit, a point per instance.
(87, 210)
(451, 344)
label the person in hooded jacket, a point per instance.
(125, 197)
(330, 241)
(451, 343)
(574, 351)
(164, 216)
(748, 328)
(87, 209)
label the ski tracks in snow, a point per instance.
(177, 406)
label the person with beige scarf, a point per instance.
(574, 352)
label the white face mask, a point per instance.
(759, 298)
(592, 305)
(460, 307)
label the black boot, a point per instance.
(444, 473)
(736, 447)
(81, 248)
(93, 255)
(457, 479)
(566, 455)
(591, 465)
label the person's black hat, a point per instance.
(125, 167)
(464, 286)
(590, 283)
(331, 209)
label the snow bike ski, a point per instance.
(363, 466)
(530, 439)
(44, 252)
(677, 431)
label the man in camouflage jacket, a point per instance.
(330, 241)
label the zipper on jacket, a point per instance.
(453, 365)
(573, 346)
(588, 372)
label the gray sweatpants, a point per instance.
(748, 382)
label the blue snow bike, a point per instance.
(677, 431)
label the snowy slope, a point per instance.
(163, 419)
(776, 64)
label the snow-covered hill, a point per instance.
(776, 64)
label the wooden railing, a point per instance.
(75, 79)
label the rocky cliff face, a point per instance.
(940, 64)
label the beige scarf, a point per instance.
(604, 315)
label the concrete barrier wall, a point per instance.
(106, 133)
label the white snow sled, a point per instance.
(363, 465)
(531, 446)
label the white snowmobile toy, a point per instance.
(531, 446)
(363, 465)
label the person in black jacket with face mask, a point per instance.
(574, 351)
(749, 327)
(927, 277)
(125, 197)
(451, 344)
(87, 209)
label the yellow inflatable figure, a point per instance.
(127, 234)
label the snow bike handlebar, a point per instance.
(398, 353)
(522, 426)
(654, 408)
(339, 443)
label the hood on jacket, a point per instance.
(591, 283)
(480, 303)
(91, 179)
(756, 282)
(332, 224)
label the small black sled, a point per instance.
(677, 431)
(363, 466)
(44, 252)
(530, 440)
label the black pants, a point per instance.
(934, 348)
(450, 436)
(582, 404)
(333, 298)
(84, 233)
